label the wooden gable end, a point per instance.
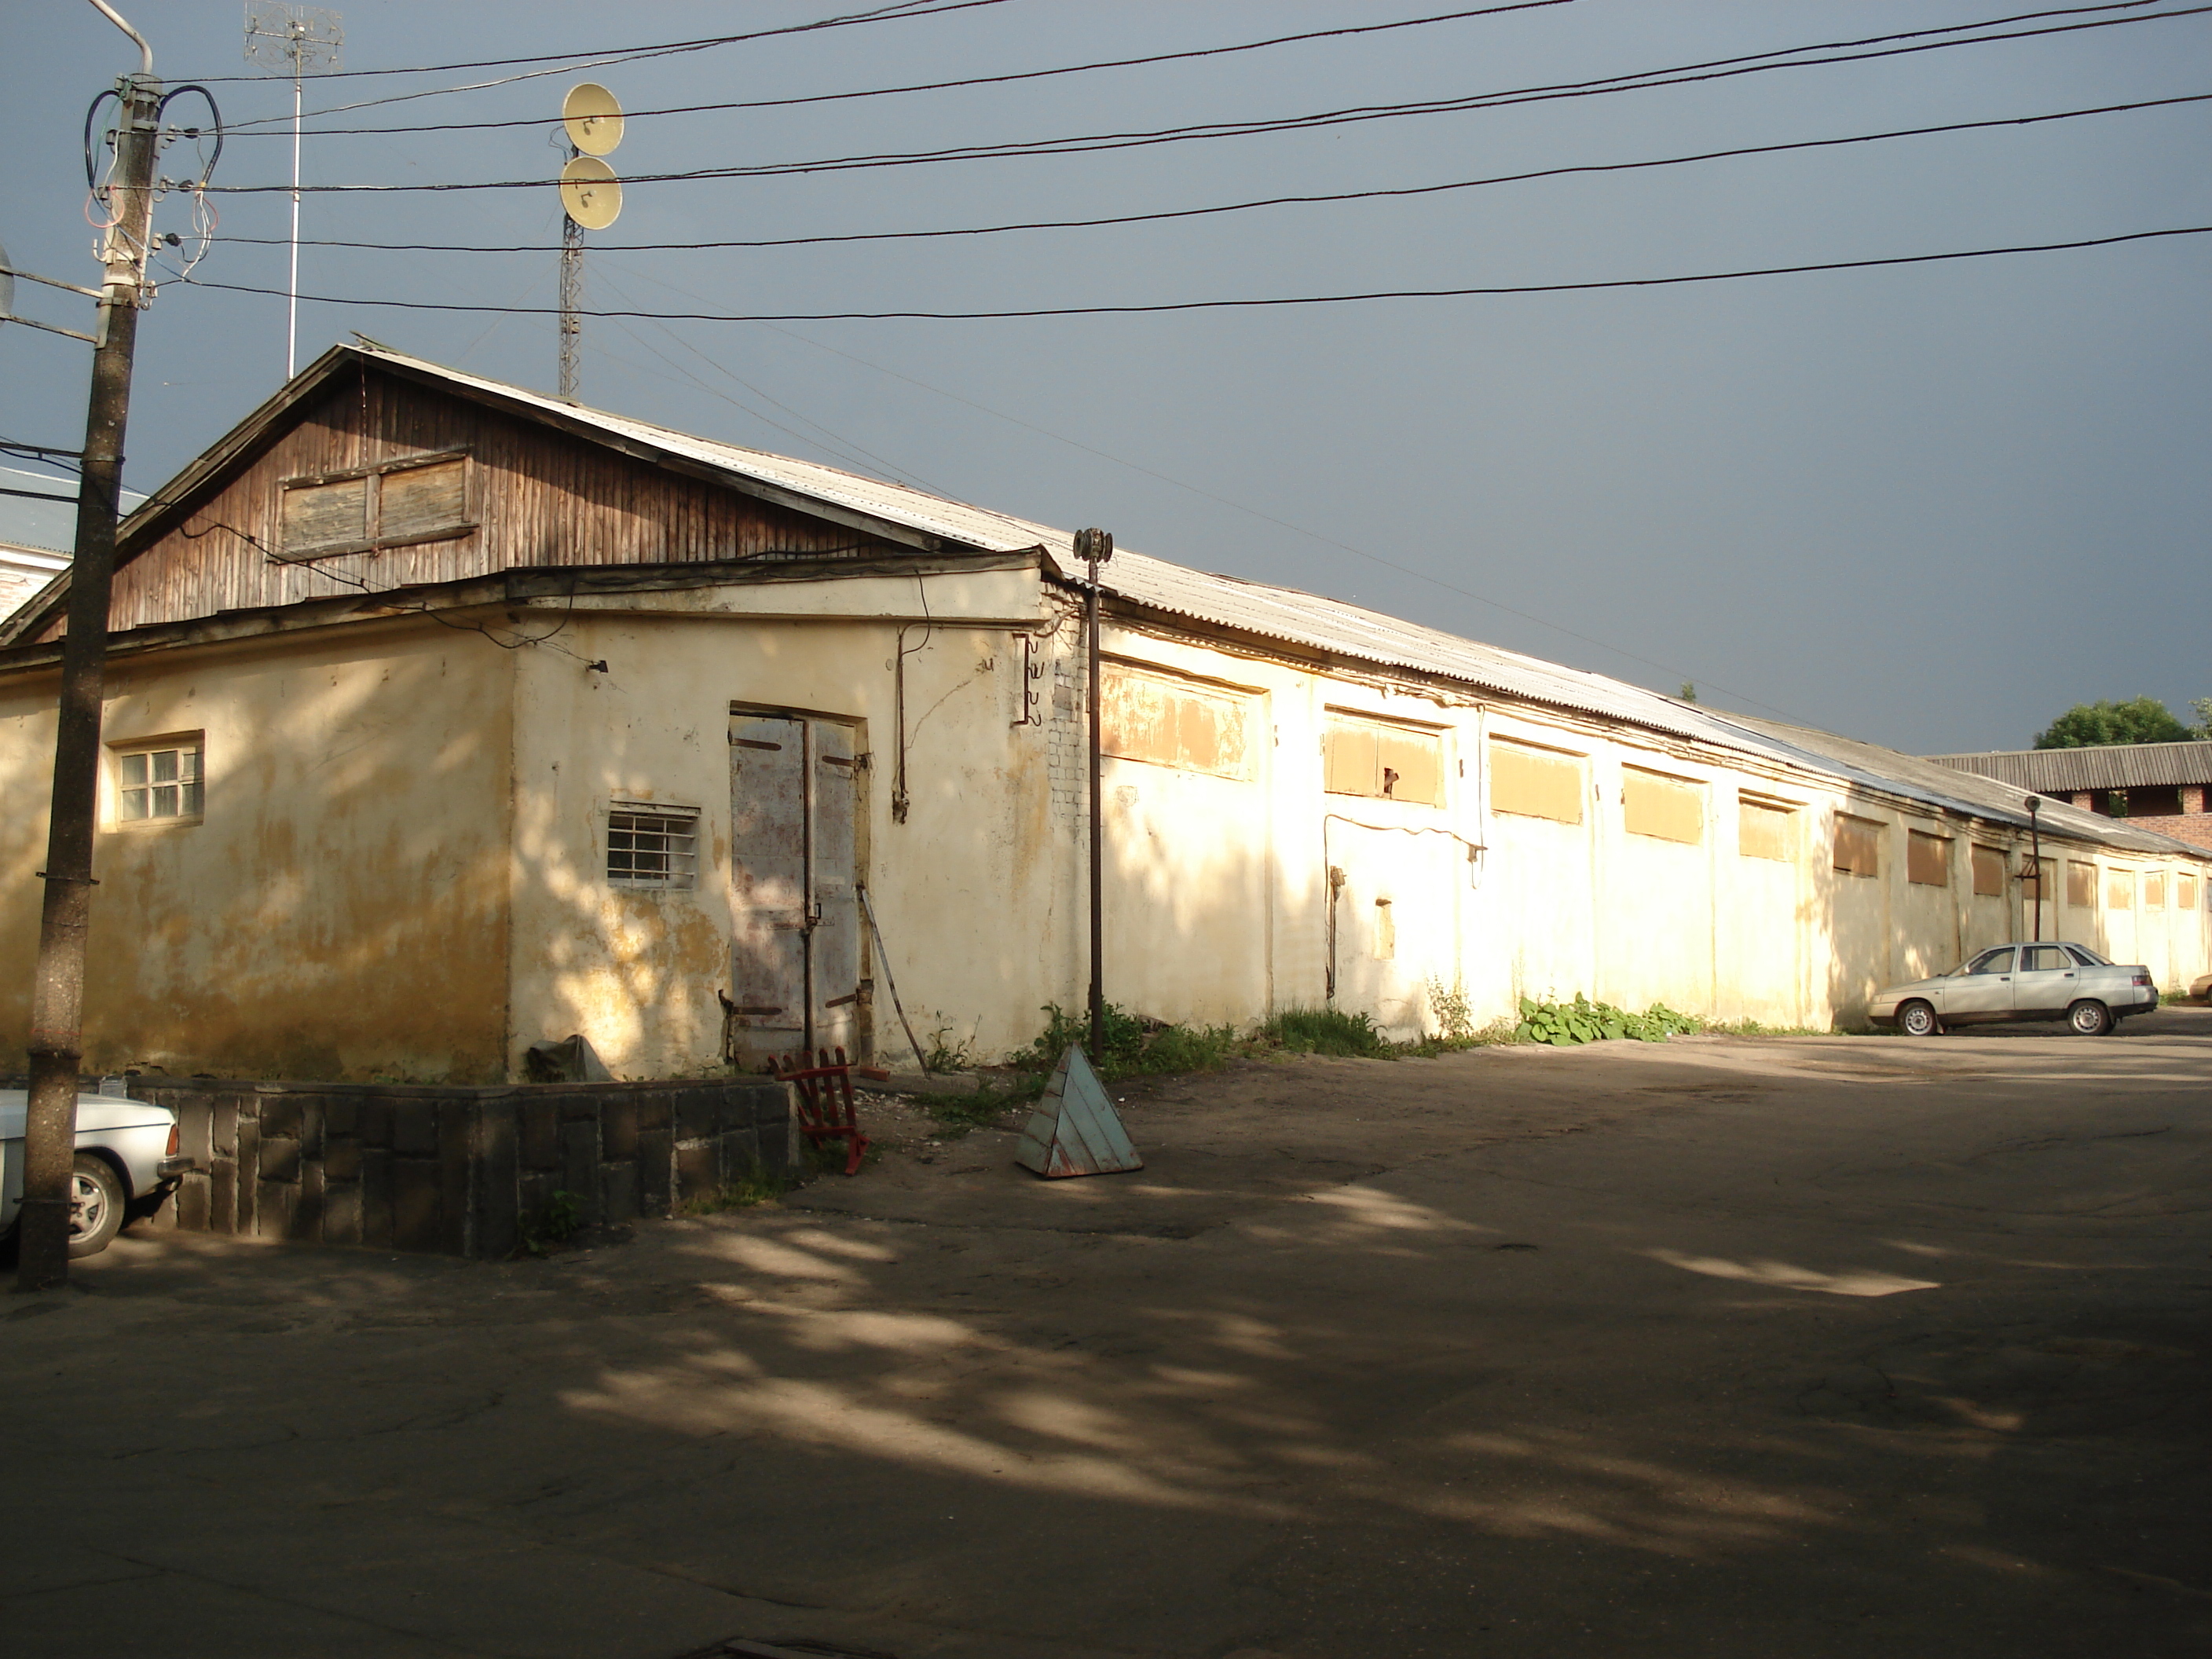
(384, 482)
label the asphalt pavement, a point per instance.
(1805, 1347)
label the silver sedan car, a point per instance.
(126, 1158)
(2042, 980)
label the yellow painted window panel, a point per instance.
(1927, 859)
(2080, 885)
(1351, 761)
(2155, 893)
(1412, 766)
(2185, 892)
(1382, 760)
(1156, 717)
(2120, 889)
(1765, 831)
(325, 516)
(1989, 872)
(1858, 846)
(1536, 784)
(417, 503)
(1670, 808)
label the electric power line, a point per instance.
(982, 80)
(569, 60)
(1715, 70)
(1267, 303)
(1262, 202)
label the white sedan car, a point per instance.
(2038, 980)
(126, 1155)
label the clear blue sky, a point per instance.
(1930, 505)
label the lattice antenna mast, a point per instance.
(304, 40)
(591, 197)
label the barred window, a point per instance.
(651, 846)
(159, 782)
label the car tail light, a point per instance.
(176, 1141)
(2143, 979)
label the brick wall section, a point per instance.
(2194, 828)
(455, 1171)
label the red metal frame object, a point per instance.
(825, 1102)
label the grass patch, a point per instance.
(756, 1185)
(1134, 1047)
(1324, 1031)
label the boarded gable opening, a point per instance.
(1381, 760)
(1653, 803)
(2154, 891)
(323, 517)
(2080, 885)
(2120, 890)
(1927, 859)
(1536, 783)
(1989, 872)
(396, 503)
(1858, 846)
(1147, 714)
(1765, 830)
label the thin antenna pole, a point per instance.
(292, 289)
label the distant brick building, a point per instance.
(2160, 786)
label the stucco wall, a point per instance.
(972, 889)
(338, 911)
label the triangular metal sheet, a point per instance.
(1075, 1130)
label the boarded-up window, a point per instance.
(1381, 760)
(1536, 783)
(412, 499)
(321, 516)
(1148, 714)
(2185, 892)
(1927, 859)
(2120, 889)
(417, 503)
(2080, 885)
(1989, 872)
(2154, 891)
(1652, 804)
(1858, 846)
(1765, 830)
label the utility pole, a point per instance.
(57, 993)
(1094, 548)
(591, 199)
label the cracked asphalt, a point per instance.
(1728, 1347)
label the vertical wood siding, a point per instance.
(539, 498)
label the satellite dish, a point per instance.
(593, 120)
(591, 193)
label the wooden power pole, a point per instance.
(57, 993)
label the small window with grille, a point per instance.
(161, 782)
(652, 846)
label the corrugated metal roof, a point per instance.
(2106, 766)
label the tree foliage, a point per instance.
(2139, 720)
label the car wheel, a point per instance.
(1918, 1019)
(96, 1203)
(2090, 1019)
